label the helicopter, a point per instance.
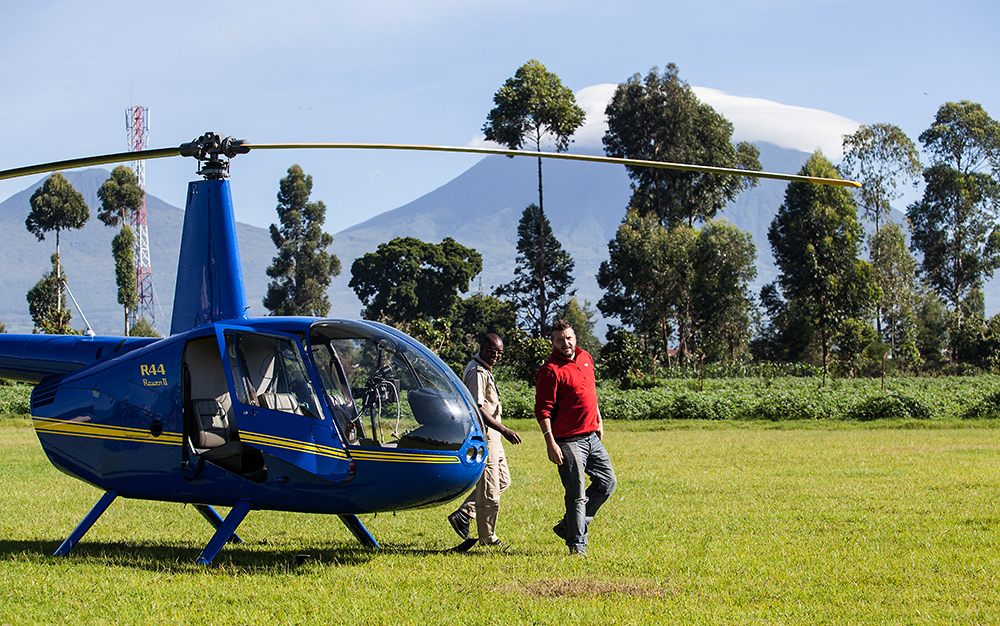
(330, 416)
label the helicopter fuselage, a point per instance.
(130, 421)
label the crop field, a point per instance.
(712, 523)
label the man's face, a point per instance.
(491, 352)
(564, 342)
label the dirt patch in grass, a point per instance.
(586, 587)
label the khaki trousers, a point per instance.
(484, 501)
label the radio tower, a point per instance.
(137, 125)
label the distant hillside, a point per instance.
(585, 203)
(86, 255)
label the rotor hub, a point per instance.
(213, 153)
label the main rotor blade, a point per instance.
(706, 169)
(140, 155)
(121, 157)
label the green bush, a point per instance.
(15, 398)
(987, 408)
(786, 398)
(889, 406)
(785, 406)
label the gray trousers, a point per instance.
(586, 457)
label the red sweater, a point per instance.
(566, 393)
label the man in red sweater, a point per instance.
(567, 412)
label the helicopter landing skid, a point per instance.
(359, 531)
(88, 521)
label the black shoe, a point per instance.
(560, 529)
(460, 522)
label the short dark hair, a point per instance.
(561, 325)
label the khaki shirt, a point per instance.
(479, 379)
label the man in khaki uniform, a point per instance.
(484, 501)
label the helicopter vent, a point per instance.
(45, 392)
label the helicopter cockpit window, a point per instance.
(395, 394)
(269, 373)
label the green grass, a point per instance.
(734, 523)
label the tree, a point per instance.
(621, 356)
(816, 239)
(121, 196)
(457, 337)
(407, 279)
(302, 270)
(880, 156)
(543, 273)
(534, 106)
(581, 316)
(723, 268)
(657, 279)
(632, 282)
(47, 303)
(123, 250)
(659, 118)
(953, 225)
(143, 328)
(56, 206)
(853, 342)
(932, 327)
(895, 273)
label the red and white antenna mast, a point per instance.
(137, 125)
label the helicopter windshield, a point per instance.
(385, 391)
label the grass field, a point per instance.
(713, 523)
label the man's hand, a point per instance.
(552, 448)
(510, 435)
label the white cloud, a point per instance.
(800, 128)
(754, 119)
(593, 100)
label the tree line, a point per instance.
(676, 282)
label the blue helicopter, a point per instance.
(332, 416)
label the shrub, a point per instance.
(987, 408)
(888, 406)
(693, 406)
(15, 398)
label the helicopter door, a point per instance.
(275, 405)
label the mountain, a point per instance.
(584, 202)
(86, 256)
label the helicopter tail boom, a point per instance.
(32, 358)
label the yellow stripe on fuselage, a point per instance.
(101, 431)
(291, 444)
(89, 430)
(374, 454)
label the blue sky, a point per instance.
(796, 72)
